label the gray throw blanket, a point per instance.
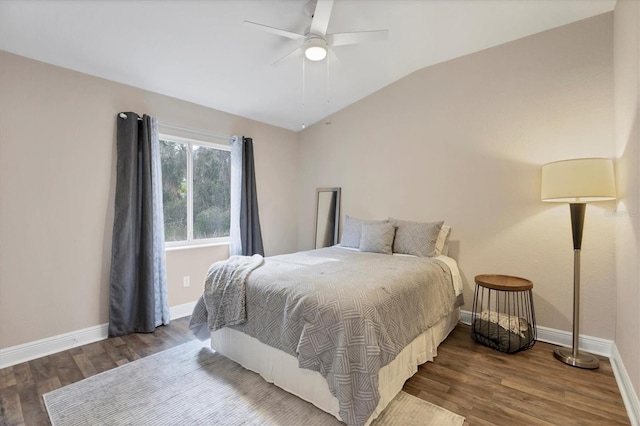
(223, 301)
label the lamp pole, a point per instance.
(574, 357)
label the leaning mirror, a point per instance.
(327, 217)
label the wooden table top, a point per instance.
(503, 282)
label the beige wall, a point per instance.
(464, 141)
(627, 218)
(57, 179)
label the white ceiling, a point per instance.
(200, 51)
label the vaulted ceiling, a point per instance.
(201, 52)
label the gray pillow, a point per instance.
(377, 238)
(416, 238)
(352, 230)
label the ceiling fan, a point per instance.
(316, 42)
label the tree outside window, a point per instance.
(196, 182)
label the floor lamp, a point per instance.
(578, 182)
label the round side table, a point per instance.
(503, 316)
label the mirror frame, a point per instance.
(336, 218)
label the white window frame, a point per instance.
(190, 242)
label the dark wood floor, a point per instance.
(485, 386)
(527, 388)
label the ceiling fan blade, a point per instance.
(333, 56)
(277, 31)
(280, 61)
(342, 39)
(321, 17)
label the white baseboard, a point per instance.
(181, 311)
(629, 396)
(466, 317)
(26, 352)
(594, 345)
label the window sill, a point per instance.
(196, 246)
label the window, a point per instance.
(196, 185)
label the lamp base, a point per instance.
(583, 360)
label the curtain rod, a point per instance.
(185, 129)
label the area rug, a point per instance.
(193, 385)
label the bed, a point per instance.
(341, 328)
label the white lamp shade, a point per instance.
(578, 181)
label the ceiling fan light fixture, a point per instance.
(315, 49)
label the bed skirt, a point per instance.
(281, 369)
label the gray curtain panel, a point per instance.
(138, 292)
(250, 234)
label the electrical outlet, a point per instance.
(185, 281)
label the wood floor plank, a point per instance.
(554, 412)
(485, 386)
(423, 382)
(472, 419)
(610, 410)
(457, 362)
(7, 378)
(41, 369)
(33, 411)
(66, 368)
(548, 387)
(137, 344)
(22, 374)
(445, 403)
(10, 408)
(84, 365)
(98, 357)
(498, 415)
(120, 353)
(47, 386)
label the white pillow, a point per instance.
(442, 243)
